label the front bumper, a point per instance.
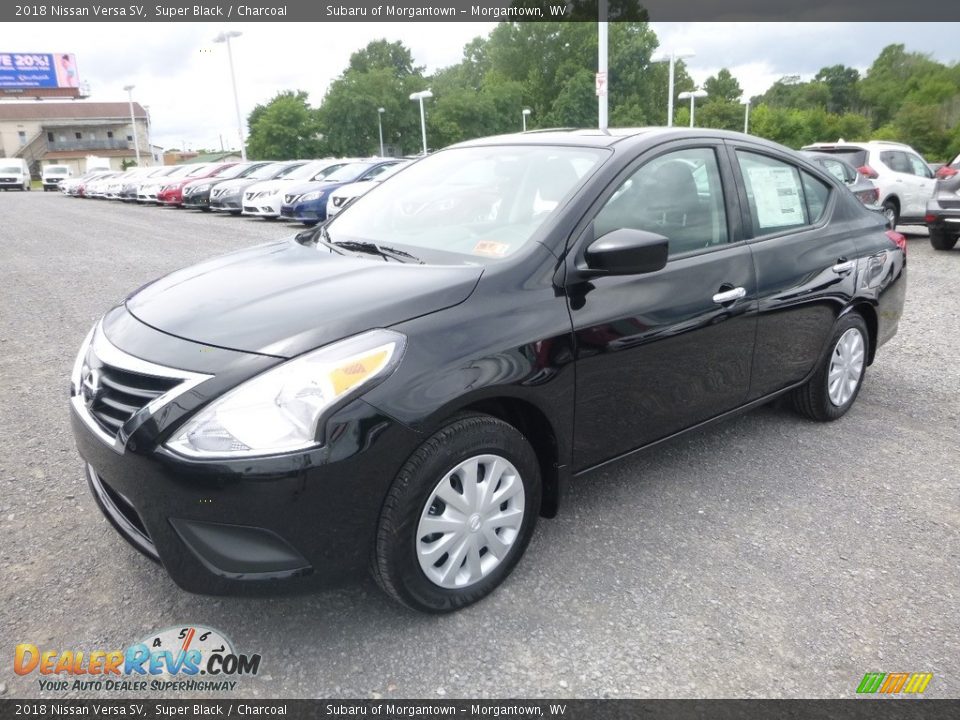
(197, 201)
(229, 204)
(239, 526)
(309, 212)
(268, 207)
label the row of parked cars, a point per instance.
(907, 189)
(306, 191)
(891, 177)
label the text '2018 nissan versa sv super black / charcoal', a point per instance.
(408, 387)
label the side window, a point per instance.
(896, 161)
(918, 166)
(815, 194)
(677, 195)
(774, 193)
(836, 169)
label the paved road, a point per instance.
(768, 556)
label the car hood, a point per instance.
(285, 298)
(357, 188)
(268, 185)
(305, 187)
(236, 184)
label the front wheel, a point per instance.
(941, 240)
(836, 383)
(458, 516)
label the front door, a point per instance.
(663, 351)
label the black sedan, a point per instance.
(943, 213)
(409, 387)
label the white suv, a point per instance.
(903, 177)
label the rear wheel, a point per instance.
(836, 383)
(458, 516)
(941, 240)
(891, 211)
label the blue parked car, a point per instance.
(307, 203)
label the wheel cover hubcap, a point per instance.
(846, 366)
(470, 521)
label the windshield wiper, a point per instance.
(373, 248)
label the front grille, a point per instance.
(114, 395)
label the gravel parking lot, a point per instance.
(765, 557)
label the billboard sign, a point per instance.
(22, 71)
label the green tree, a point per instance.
(841, 84)
(286, 128)
(722, 88)
(381, 75)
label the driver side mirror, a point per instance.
(627, 252)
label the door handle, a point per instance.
(727, 296)
(843, 266)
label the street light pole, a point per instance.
(421, 96)
(133, 122)
(225, 37)
(526, 111)
(380, 112)
(671, 58)
(602, 75)
(746, 117)
(692, 96)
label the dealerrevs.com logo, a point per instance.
(894, 683)
(188, 658)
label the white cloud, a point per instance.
(183, 77)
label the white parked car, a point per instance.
(341, 196)
(53, 175)
(264, 198)
(902, 176)
(14, 174)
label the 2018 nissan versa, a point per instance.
(409, 386)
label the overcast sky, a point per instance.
(184, 78)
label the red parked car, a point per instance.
(172, 194)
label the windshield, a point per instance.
(267, 171)
(10, 168)
(348, 173)
(227, 172)
(179, 171)
(306, 172)
(56, 170)
(199, 171)
(485, 202)
(248, 170)
(289, 171)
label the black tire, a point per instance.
(812, 400)
(941, 240)
(892, 209)
(395, 565)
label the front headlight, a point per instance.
(200, 188)
(280, 410)
(315, 195)
(76, 376)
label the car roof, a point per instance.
(628, 137)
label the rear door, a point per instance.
(662, 351)
(805, 265)
(923, 182)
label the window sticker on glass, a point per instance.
(491, 248)
(777, 196)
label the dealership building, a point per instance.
(69, 133)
